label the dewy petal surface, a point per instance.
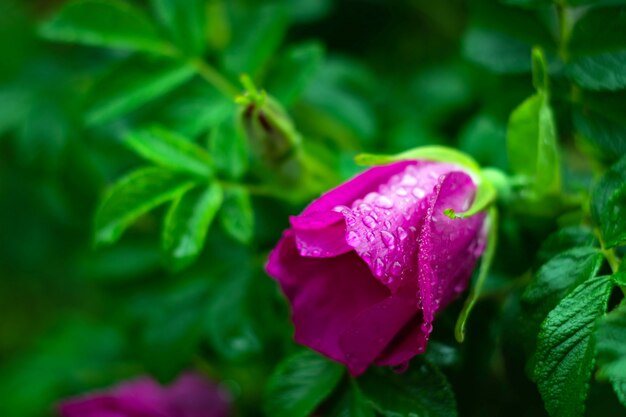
(449, 247)
(320, 230)
(383, 227)
(326, 294)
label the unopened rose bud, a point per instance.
(268, 127)
(368, 265)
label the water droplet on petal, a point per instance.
(402, 191)
(369, 222)
(427, 327)
(396, 269)
(370, 197)
(350, 221)
(341, 209)
(353, 239)
(367, 257)
(418, 192)
(384, 202)
(364, 208)
(409, 180)
(387, 224)
(370, 236)
(402, 234)
(379, 267)
(388, 239)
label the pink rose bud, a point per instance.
(189, 396)
(368, 265)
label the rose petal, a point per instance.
(109, 405)
(449, 247)
(319, 230)
(368, 335)
(384, 226)
(193, 396)
(326, 294)
(189, 396)
(410, 341)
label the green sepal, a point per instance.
(429, 153)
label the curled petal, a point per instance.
(320, 230)
(383, 227)
(449, 247)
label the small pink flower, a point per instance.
(368, 265)
(189, 396)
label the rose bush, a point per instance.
(189, 396)
(368, 265)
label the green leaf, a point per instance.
(291, 74)
(337, 104)
(606, 137)
(540, 70)
(564, 239)
(187, 223)
(429, 153)
(258, 37)
(610, 339)
(74, 352)
(133, 196)
(421, 391)
(599, 72)
(108, 23)
(608, 204)
(192, 110)
(236, 215)
(186, 23)
(136, 81)
(351, 403)
(171, 150)
(299, 384)
(229, 323)
(532, 144)
(171, 332)
(229, 149)
(599, 29)
(565, 352)
(484, 138)
(528, 3)
(557, 277)
(496, 51)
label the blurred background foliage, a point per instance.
(88, 87)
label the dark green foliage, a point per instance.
(123, 123)
(299, 384)
(422, 390)
(565, 351)
(609, 203)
